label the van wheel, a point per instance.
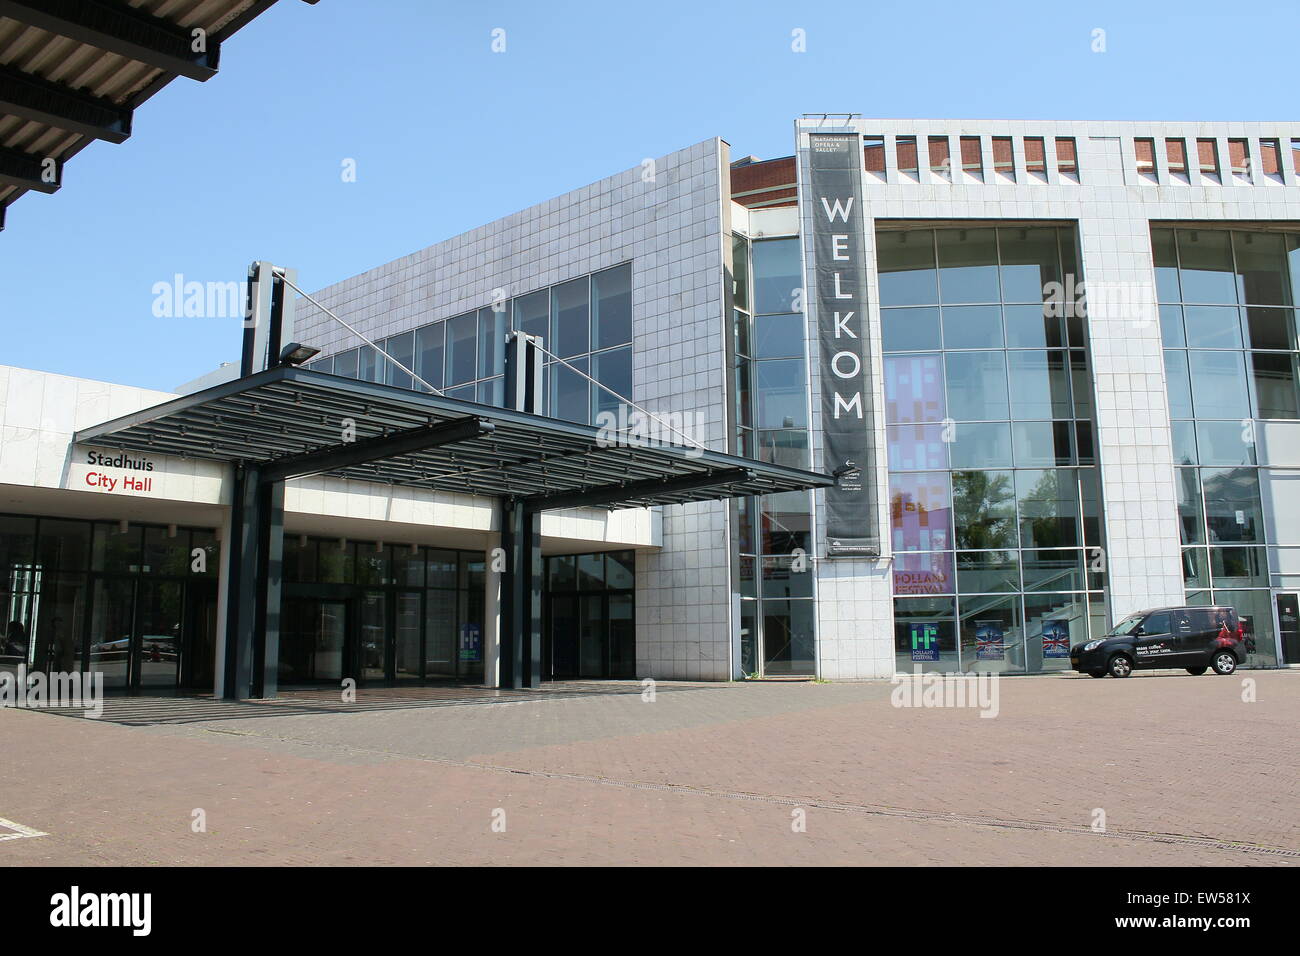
(1196, 671)
(1120, 666)
(1100, 673)
(1225, 662)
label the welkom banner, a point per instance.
(839, 246)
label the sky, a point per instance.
(445, 134)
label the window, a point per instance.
(972, 161)
(1003, 157)
(905, 147)
(1176, 156)
(570, 318)
(1035, 155)
(988, 418)
(611, 293)
(1270, 155)
(462, 347)
(1145, 151)
(940, 160)
(1239, 157)
(1067, 158)
(1207, 156)
(873, 154)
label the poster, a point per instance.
(988, 641)
(1056, 639)
(924, 638)
(471, 643)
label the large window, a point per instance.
(771, 415)
(587, 322)
(993, 489)
(1228, 320)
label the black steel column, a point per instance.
(521, 596)
(270, 553)
(253, 604)
(531, 523)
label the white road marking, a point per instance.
(20, 831)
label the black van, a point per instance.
(1195, 638)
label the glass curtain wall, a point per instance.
(413, 613)
(993, 488)
(778, 623)
(135, 603)
(1228, 322)
(586, 321)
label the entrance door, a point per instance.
(313, 640)
(564, 637)
(199, 648)
(1288, 626)
(112, 629)
(373, 642)
(406, 635)
(156, 649)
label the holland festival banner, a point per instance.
(840, 289)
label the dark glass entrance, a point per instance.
(134, 602)
(379, 614)
(589, 612)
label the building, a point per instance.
(1052, 368)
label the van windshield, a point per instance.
(1127, 625)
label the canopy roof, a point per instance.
(289, 422)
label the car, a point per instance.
(1194, 638)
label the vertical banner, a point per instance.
(839, 246)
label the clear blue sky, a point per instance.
(448, 135)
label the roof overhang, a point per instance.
(290, 422)
(73, 71)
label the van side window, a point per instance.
(1156, 624)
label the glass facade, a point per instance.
(137, 603)
(590, 614)
(778, 630)
(995, 515)
(1228, 321)
(379, 612)
(585, 321)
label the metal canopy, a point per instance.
(290, 422)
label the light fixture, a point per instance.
(295, 353)
(171, 531)
(123, 526)
(415, 549)
(379, 546)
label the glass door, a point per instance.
(156, 649)
(564, 636)
(111, 629)
(592, 642)
(1288, 626)
(406, 635)
(373, 636)
(200, 635)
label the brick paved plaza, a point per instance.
(1184, 770)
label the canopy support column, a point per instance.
(521, 596)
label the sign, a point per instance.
(988, 641)
(1056, 639)
(471, 643)
(839, 243)
(925, 641)
(111, 471)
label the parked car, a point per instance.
(1194, 638)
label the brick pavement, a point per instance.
(707, 774)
